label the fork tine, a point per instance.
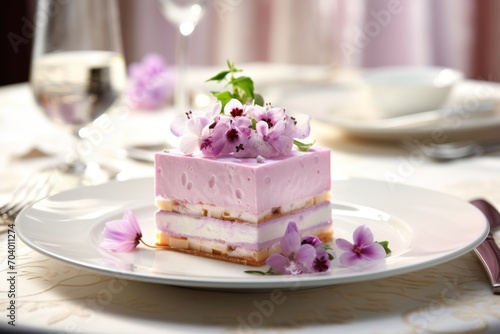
(14, 198)
(36, 187)
(21, 192)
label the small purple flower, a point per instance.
(311, 240)
(121, 235)
(234, 108)
(229, 135)
(297, 126)
(194, 128)
(274, 136)
(322, 261)
(363, 248)
(294, 258)
(268, 114)
(151, 83)
(239, 130)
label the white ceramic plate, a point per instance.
(348, 108)
(423, 228)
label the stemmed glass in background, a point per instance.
(185, 15)
(77, 70)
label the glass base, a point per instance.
(87, 173)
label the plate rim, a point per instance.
(254, 282)
(374, 130)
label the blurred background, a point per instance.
(342, 33)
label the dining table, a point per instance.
(43, 293)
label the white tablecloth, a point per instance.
(52, 296)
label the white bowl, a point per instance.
(404, 90)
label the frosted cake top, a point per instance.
(240, 124)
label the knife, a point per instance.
(488, 251)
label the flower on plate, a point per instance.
(321, 261)
(362, 249)
(311, 240)
(151, 83)
(122, 235)
(294, 258)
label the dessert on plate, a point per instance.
(239, 177)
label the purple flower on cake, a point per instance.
(228, 135)
(298, 126)
(362, 249)
(240, 131)
(244, 127)
(268, 114)
(193, 128)
(122, 235)
(294, 258)
(151, 83)
(234, 108)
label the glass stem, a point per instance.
(181, 54)
(75, 161)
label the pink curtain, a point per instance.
(358, 33)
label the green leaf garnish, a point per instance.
(327, 247)
(254, 124)
(224, 97)
(255, 272)
(302, 146)
(258, 99)
(385, 244)
(270, 271)
(242, 87)
(219, 76)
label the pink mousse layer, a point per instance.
(242, 183)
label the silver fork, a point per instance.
(34, 188)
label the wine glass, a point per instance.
(78, 72)
(185, 15)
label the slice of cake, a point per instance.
(239, 178)
(237, 209)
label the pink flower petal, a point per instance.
(290, 242)
(311, 240)
(262, 128)
(301, 129)
(362, 236)
(344, 245)
(179, 126)
(196, 124)
(305, 257)
(212, 110)
(277, 130)
(189, 143)
(373, 251)
(349, 259)
(121, 235)
(278, 262)
(283, 145)
(134, 224)
(232, 104)
(243, 124)
(118, 247)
